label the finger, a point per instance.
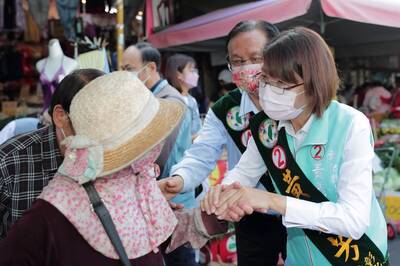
(173, 185)
(261, 210)
(161, 185)
(215, 198)
(224, 206)
(207, 200)
(225, 188)
(229, 216)
(225, 217)
(202, 205)
(246, 208)
(234, 216)
(236, 185)
(226, 196)
(179, 206)
(237, 210)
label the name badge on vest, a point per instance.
(235, 121)
(268, 133)
(317, 152)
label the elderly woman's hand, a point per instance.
(240, 201)
(211, 200)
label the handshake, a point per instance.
(228, 202)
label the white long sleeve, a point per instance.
(249, 169)
(350, 215)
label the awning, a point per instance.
(220, 22)
(379, 12)
(285, 12)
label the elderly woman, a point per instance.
(318, 153)
(104, 203)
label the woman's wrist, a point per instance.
(277, 203)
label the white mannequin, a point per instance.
(53, 62)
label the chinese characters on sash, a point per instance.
(294, 187)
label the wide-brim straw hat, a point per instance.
(119, 116)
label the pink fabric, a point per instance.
(140, 212)
(149, 18)
(219, 23)
(244, 77)
(377, 100)
(380, 12)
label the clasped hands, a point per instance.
(228, 202)
(232, 202)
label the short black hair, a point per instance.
(70, 86)
(270, 30)
(149, 54)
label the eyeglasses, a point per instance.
(274, 86)
(239, 61)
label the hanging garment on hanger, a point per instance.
(40, 12)
(50, 85)
(9, 14)
(32, 31)
(94, 59)
(19, 15)
(67, 11)
(1, 14)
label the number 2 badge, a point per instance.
(279, 157)
(317, 152)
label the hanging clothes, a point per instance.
(9, 14)
(19, 15)
(32, 31)
(1, 14)
(50, 85)
(10, 64)
(94, 59)
(67, 11)
(40, 12)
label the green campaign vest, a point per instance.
(312, 176)
(227, 111)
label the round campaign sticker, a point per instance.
(317, 152)
(268, 133)
(246, 137)
(235, 121)
(279, 157)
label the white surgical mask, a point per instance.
(137, 72)
(278, 103)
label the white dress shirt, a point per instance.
(350, 215)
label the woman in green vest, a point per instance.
(318, 153)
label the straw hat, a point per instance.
(117, 119)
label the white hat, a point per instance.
(118, 120)
(225, 75)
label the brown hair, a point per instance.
(176, 63)
(302, 52)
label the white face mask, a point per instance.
(137, 72)
(278, 104)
